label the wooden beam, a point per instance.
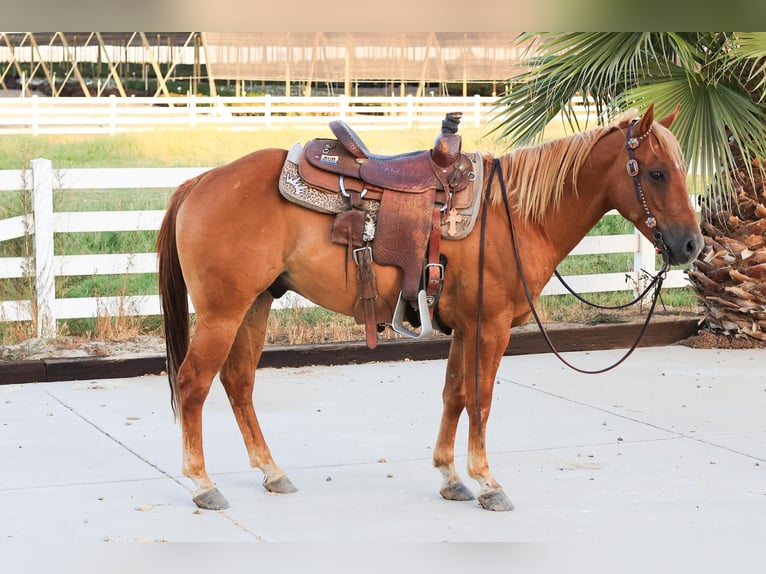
(525, 340)
(74, 66)
(102, 51)
(210, 78)
(161, 86)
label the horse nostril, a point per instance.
(693, 246)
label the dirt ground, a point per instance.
(708, 340)
(71, 347)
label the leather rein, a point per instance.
(659, 243)
(657, 280)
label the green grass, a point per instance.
(202, 146)
(210, 147)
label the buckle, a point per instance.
(355, 253)
(632, 167)
(433, 296)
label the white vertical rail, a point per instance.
(35, 115)
(192, 111)
(45, 283)
(644, 260)
(477, 111)
(112, 114)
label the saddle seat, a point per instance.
(442, 168)
(357, 148)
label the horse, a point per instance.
(229, 236)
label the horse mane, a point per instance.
(537, 175)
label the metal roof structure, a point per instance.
(58, 60)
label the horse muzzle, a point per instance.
(683, 244)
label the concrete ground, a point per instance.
(670, 446)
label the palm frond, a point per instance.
(596, 67)
(748, 54)
(710, 114)
(718, 78)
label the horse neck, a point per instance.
(575, 214)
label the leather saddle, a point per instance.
(414, 190)
(346, 163)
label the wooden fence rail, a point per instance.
(41, 115)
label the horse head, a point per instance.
(649, 186)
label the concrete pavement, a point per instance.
(669, 446)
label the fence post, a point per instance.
(643, 260)
(45, 283)
(35, 115)
(112, 114)
(192, 110)
(477, 110)
(410, 110)
(267, 109)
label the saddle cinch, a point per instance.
(392, 210)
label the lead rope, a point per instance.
(608, 307)
(658, 280)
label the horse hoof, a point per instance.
(211, 500)
(457, 491)
(281, 485)
(496, 501)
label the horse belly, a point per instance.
(328, 279)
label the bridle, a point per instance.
(632, 167)
(631, 144)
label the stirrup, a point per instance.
(397, 324)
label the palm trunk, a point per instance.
(729, 276)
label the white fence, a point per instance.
(45, 266)
(42, 115)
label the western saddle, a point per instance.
(415, 190)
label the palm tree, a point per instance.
(719, 81)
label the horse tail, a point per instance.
(173, 292)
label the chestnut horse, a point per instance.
(228, 236)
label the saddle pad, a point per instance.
(459, 221)
(295, 189)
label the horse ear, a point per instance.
(671, 117)
(646, 120)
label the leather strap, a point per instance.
(434, 276)
(368, 291)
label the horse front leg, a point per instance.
(494, 341)
(453, 400)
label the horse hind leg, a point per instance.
(453, 398)
(238, 378)
(207, 351)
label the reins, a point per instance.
(657, 280)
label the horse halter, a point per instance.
(631, 144)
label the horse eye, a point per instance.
(657, 175)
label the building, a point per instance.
(295, 63)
